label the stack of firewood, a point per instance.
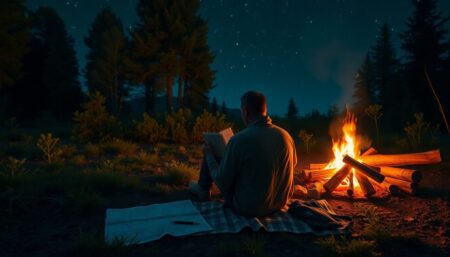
(373, 170)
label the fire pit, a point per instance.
(364, 175)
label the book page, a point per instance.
(217, 142)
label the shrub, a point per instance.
(119, 146)
(48, 145)
(68, 151)
(14, 166)
(208, 122)
(148, 158)
(92, 150)
(178, 173)
(416, 131)
(305, 137)
(149, 130)
(159, 189)
(79, 160)
(94, 123)
(178, 124)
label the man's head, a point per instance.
(253, 104)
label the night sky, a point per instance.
(306, 49)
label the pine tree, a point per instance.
(364, 82)
(14, 37)
(224, 109)
(292, 109)
(424, 42)
(60, 66)
(214, 106)
(105, 68)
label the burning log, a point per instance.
(402, 174)
(379, 160)
(337, 178)
(365, 185)
(370, 151)
(316, 190)
(350, 184)
(366, 170)
(317, 175)
(408, 187)
(317, 166)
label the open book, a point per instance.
(218, 141)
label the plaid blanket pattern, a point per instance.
(224, 220)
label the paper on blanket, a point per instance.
(148, 223)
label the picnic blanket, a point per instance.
(225, 220)
(151, 222)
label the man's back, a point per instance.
(262, 158)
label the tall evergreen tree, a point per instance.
(51, 70)
(214, 106)
(364, 82)
(105, 68)
(292, 111)
(424, 42)
(14, 37)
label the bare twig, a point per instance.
(438, 101)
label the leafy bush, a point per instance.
(208, 122)
(79, 160)
(49, 147)
(68, 151)
(94, 123)
(178, 124)
(119, 146)
(149, 130)
(14, 166)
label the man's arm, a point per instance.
(224, 174)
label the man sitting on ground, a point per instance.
(255, 175)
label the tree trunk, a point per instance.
(169, 91)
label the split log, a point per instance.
(366, 170)
(365, 185)
(379, 160)
(317, 175)
(403, 174)
(317, 166)
(408, 187)
(337, 178)
(370, 151)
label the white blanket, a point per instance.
(148, 223)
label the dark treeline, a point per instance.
(167, 48)
(397, 82)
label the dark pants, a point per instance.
(205, 180)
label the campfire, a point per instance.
(364, 174)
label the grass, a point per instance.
(342, 247)
(178, 173)
(93, 245)
(252, 247)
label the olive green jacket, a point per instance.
(255, 174)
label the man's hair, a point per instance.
(254, 102)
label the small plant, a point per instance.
(178, 173)
(68, 151)
(15, 166)
(149, 130)
(378, 228)
(305, 137)
(94, 123)
(48, 145)
(79, 160)
(416, 131)
(120, 147)
(342, 247)
(374, 112)
(92, 150)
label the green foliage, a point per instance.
(178, 173)
(208, 122)
(305, 137)
(178, 124)
(94, 123)
(149, 130)
(331, 246)
(49, 147)
(292, 111)
(415, 131)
